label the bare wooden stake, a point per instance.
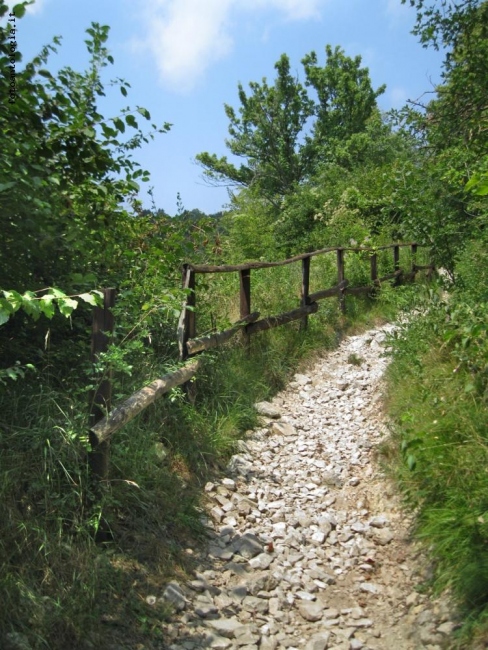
(413, 250)
(281, 319)
(187, 324)
(305, 299)
(245, 301)
(101, 397)
(374, 267)
(142, 398)
(340, 278)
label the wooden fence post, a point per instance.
(340, 278)
(100, 402)
(374, 267)
(245, 301)
(413, 249)
(305, 300)
(396, 263)
(189, 320)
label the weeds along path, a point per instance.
(309, 547)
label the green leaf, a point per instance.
(123, 90)
(66, 306)
(14, 299)
(6, 186)
(4, 316)
(19, 10)
(46, 305)
(90, 298)
(119, 124)
(131, 121)
(89, 132)
(144, 112)
(57, 293)
(30, 305)
(411, 462)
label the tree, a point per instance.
(67, 172)
(453, 127)
(346, 99)
(282, 132)
(267, 134)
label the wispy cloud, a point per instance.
(399, 13)
(397, 97)
(185, 37)
(37, 7)
(290, 9)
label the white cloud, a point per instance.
(185, 37)
(292, 9)
(398, 12)
(397, 96)
(37, 7)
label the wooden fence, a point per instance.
(103, 426)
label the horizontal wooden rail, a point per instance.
(137, 402)
(276, 321)
(328, 293)
(230, 268)
(390, 276)
(214, 340)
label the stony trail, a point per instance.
(309, 547)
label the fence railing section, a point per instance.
(104, 420)
(249, 323)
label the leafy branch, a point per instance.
(44, 301)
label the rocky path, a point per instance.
(309, 547)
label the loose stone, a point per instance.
(307, 542)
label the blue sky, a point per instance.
(184, 59)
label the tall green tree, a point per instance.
(267, 131)
(283, 130)
(346, 98)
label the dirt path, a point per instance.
(309, 547)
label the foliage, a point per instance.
(282, 132)
(452, 128)
(65, 175)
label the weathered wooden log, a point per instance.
(214, 340)
(137, 402)
(229, 268)
(282, 319)
(390, 276)
(356, 291)
(328, 293)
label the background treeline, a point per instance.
(314, 163)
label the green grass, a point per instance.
(439, 455)
(55, 581)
